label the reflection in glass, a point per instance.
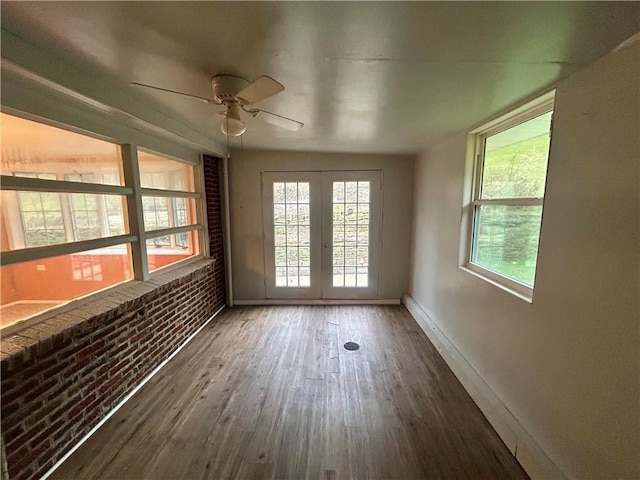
(163, 251)
(515, 161)
(41, 151)
(163, 173)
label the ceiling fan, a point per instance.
(236, 94)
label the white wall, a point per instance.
(246, 213)
(566, 367)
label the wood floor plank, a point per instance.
(271, 393)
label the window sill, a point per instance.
(520, 291)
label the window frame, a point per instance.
(131, 191)
(473, 201)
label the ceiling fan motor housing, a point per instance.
(225, 88)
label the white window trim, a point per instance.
(38, 253)
(473, 179)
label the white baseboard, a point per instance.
(529, 454)
(390, 301)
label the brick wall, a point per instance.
(214, 220)
(61, 376)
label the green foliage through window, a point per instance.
(508, 206)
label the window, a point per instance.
(169, 207)
(65, 228)
(505, 214)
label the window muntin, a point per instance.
(511, 167)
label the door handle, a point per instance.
(326, 245)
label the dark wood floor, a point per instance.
(270, 392)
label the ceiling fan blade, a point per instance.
(202, 99)
(261, 88)
(277, 120)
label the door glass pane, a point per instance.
(351, 234)
(291, 224)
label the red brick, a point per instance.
(42, 388)
(36, 441)
(91, 349)
(81, 406)
(21, 459)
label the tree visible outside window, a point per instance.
(179, 220)
(84, 209)
(41, 214)
(114, 218)
(511, 169)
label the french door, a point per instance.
(321, 234)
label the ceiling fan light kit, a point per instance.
(232, 125)
(235, 93)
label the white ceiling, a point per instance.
(362, 76)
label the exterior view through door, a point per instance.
(321, 234)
